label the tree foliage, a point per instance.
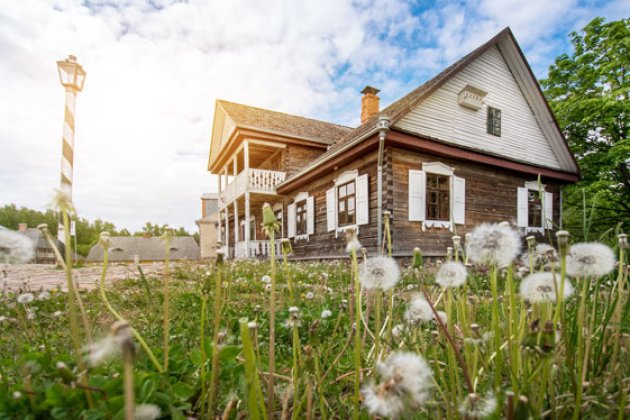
(589, 91)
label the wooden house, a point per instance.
(468, 146)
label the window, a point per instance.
(438, 193)
(534, 209)
(494, 121)
(252, 229)
(437, 197)
(300, 218)
(346, 204)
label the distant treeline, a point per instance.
(87, 232)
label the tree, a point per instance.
(589, 92)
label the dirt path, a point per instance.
(32, 277)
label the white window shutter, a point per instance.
(548, 222)
(459, 202)
(291, 224)
(363, 202)
(331, 209)
(522, 203)
(417, 193)
(310, 215)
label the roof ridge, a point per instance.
(285, 113)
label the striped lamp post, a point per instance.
(72, 76)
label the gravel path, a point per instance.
(32, 277)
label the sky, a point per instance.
(155, 68)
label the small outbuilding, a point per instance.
(143, 249)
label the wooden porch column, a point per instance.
(219, 209)
(227, 232)
(247, 210)
(236, 238)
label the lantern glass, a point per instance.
(71, 74)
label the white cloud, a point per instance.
(154, 70)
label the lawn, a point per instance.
(474, 336)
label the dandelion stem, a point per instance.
(202, 345)
(216, 321)
(116, 315)
(444, 329)
(166, 303)
(580, 362)
(296, 371)
(272, 325)
(357, 335)
(496, 331)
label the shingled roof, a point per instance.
(124, 248)
(246, 116)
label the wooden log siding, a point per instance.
(296, 157)
(324, 244)
(491, 196)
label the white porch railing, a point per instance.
(253, 180)
(257, 249)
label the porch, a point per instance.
(246, 182)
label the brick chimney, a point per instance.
(369, 103)
(22, 227)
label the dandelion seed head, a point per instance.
(493, 244)
(57, 314)
(379, 273)
(309, 295)
(111, 345)
(443, 317)
(352, 242)
(146, 412)
(590, 259)
(16, 395)
(44, 295)
(25, 298)
(62, 202)
(397, 330)
(326, 313)
(419, 310)
(476, 407)
(412, 375)
(541, 287)
(381, 401)
(266, 279)
(451, 274)
(252, 325)
(15, 248)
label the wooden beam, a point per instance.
(433, 147)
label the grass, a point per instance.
(503, 343)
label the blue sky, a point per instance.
(155, 68)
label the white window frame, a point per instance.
(242, 222)
(522, 207)
(346, 177)
(439, 168)
(310, 216)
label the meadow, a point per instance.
(503, 327)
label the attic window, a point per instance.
(117, 249)
(494, 121)
(173, 249)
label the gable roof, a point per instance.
(245, 116)
(523, 74)
(124, 248)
